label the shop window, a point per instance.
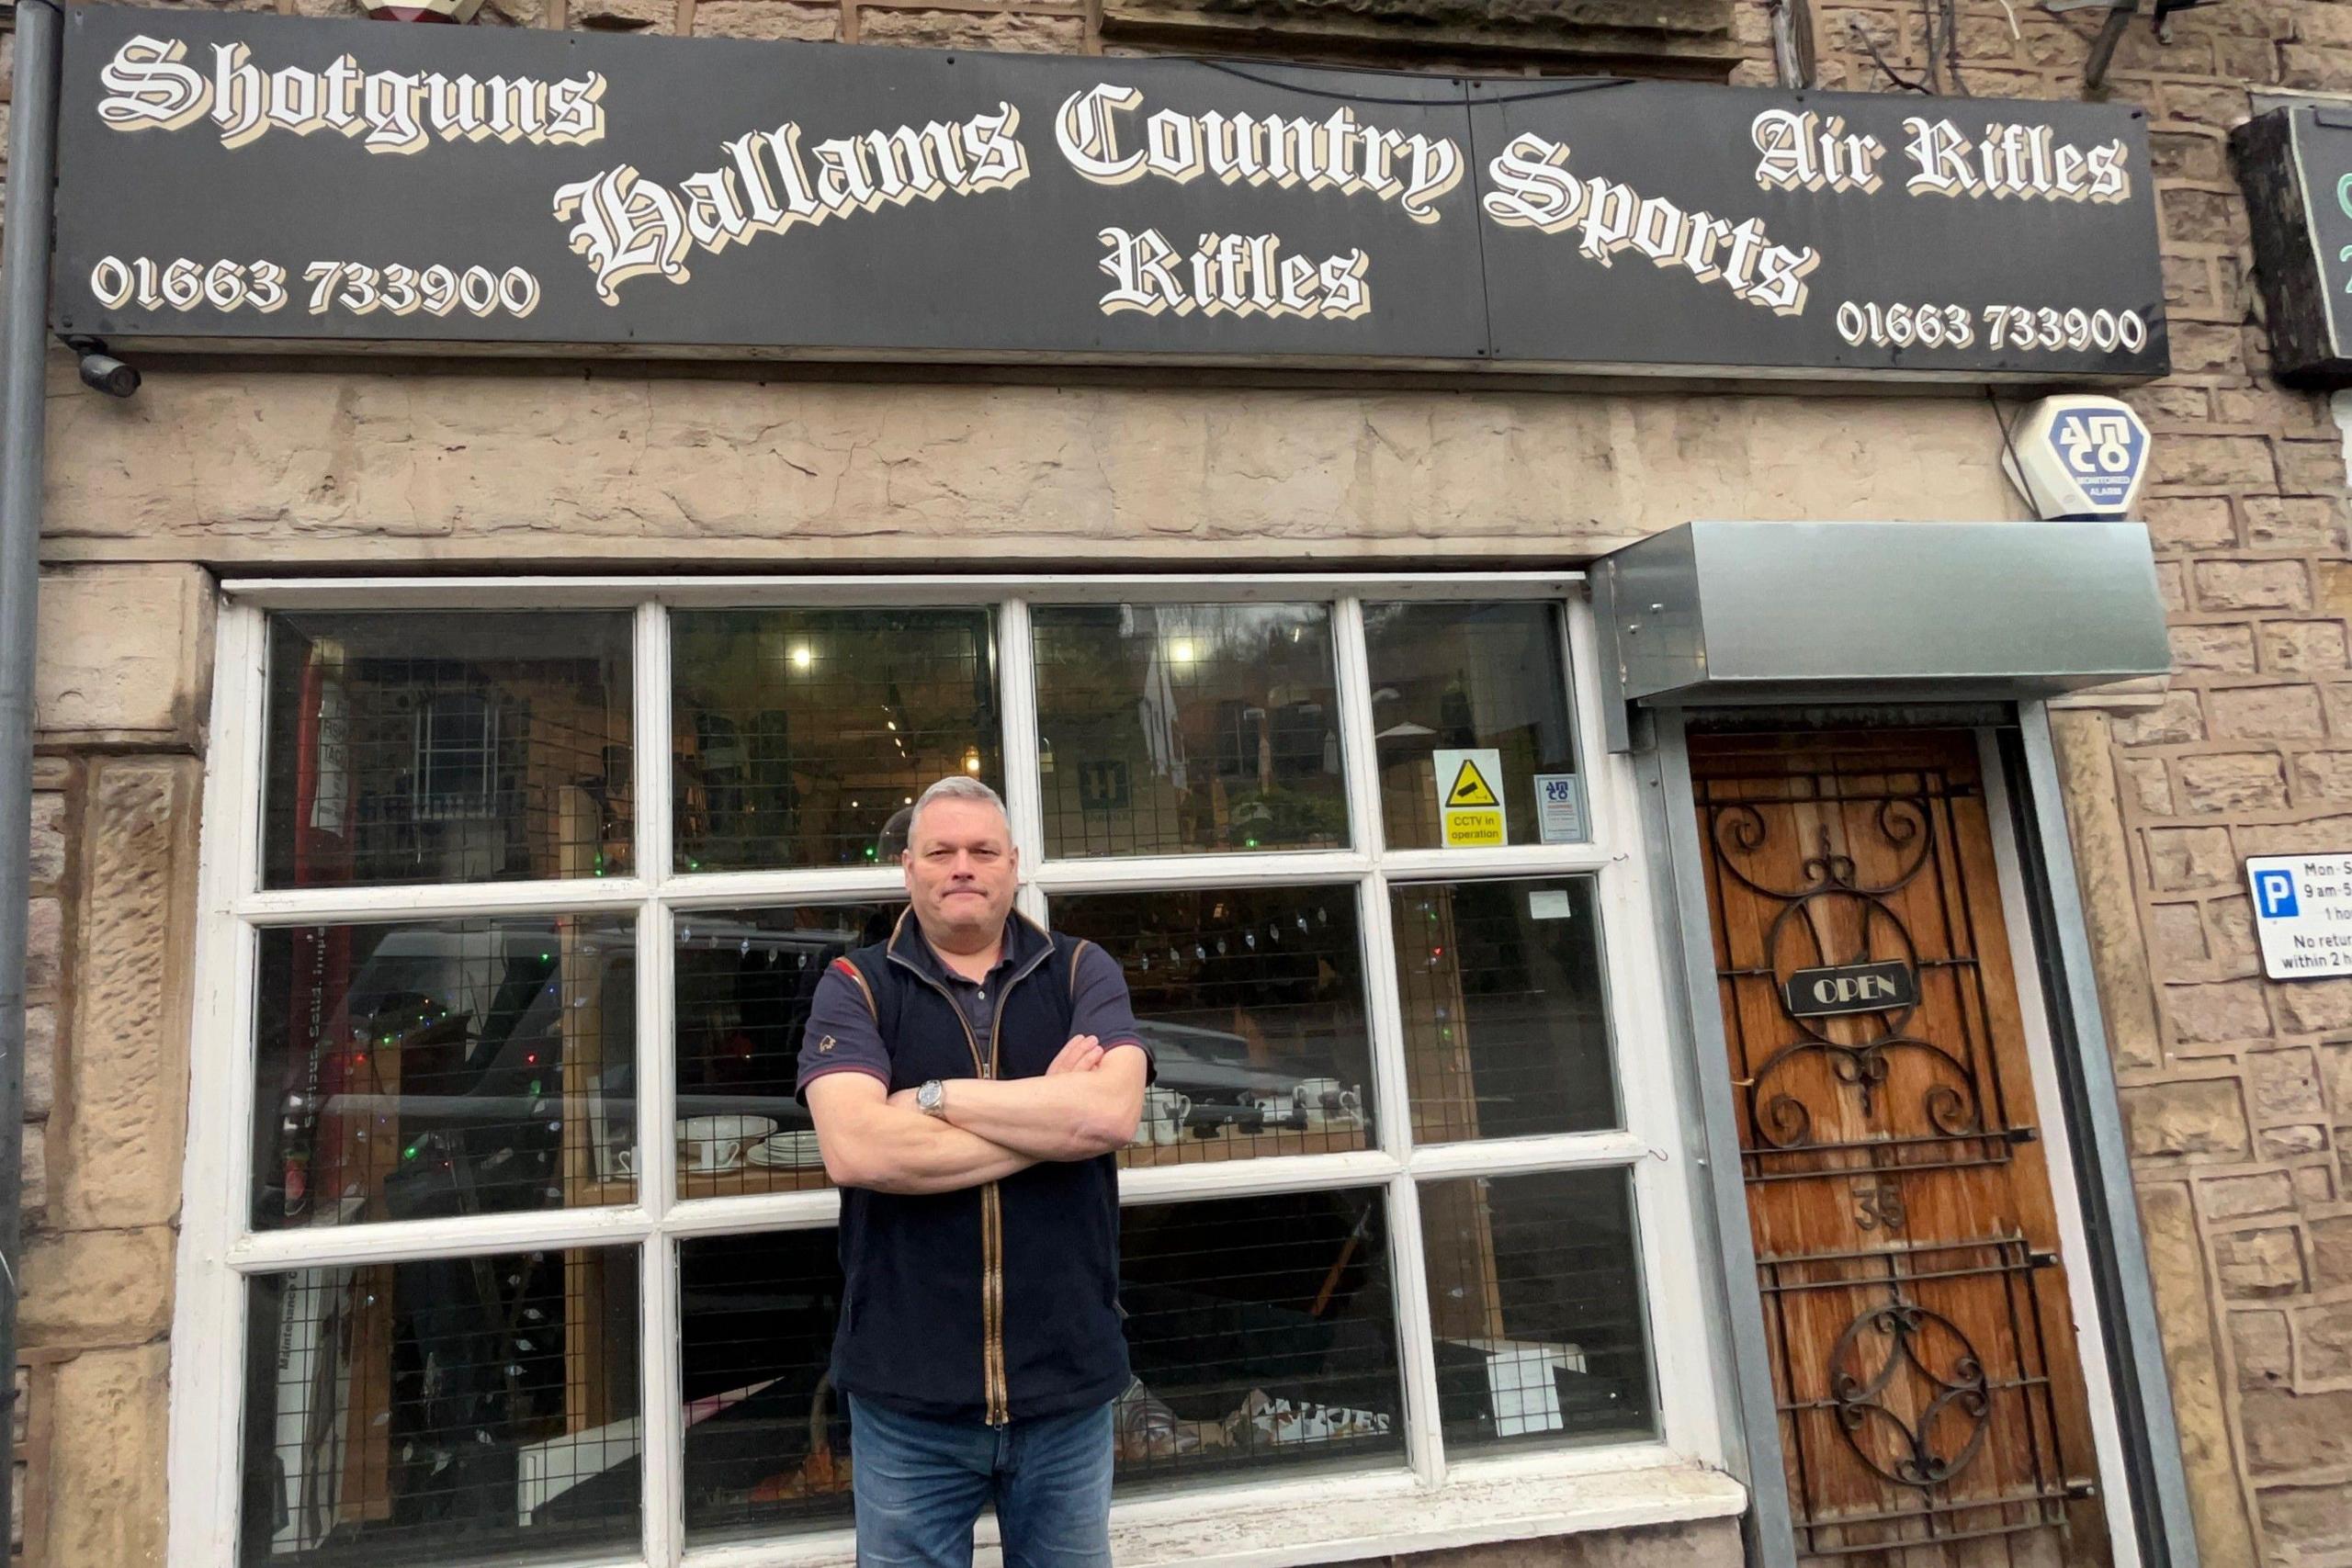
(801, 737)
(1505, 1026)
(438, 1069)
(1180, 728)
(1471, 678)
(448, 747)
(1263, 1331)
(442, 1410)
(1251, 1001)
(1381, 1210)
(744, 982)
(1535, 1302)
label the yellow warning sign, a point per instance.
(1470, 788)
(1470, 810)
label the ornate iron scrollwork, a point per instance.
(1957, 1390)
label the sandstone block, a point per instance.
(2146, 784)
(2217, 1011)
(2231, 923)
(2324, 775)
(2187, 155)
(2254, 1264)
(2199, 1116)
(2246, 59)
(2290, 1142)
(2204, 218)
(2258, 1344)
(973, 29)
(2178, 719)
(2103, 877)
(2222, 649)
(2235, 1197)
(2332, 1252)
(2172, 587)
(2237, 781)
(126, 655)
(2310, 1521)
(44, 946)
(2314, 1186)
(2326, 1335)
(2287, 1431)
(32, 1168)
(767, 20)
(2292, 523)
(2184, 1319)
(2190, 285)
(2183, 858)
(2311, 467)
(2303, 648)
(2335, 1077)
(47, 864)
(2176, 934)
(2308, 1007)
(40, 1061)
(2291, 838)
(2284, 1085)
(2306, 66)
(625, 16)
(2253, 585)
(2266, 713)
(127, 1069)
(2213, 461)
(2202, 348)
(97, 1288)
(106, 1480)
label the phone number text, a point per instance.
(2002, 326)
(351, 287)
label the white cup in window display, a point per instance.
(1164, 1113)
(716, 1143)
(1322, 1102)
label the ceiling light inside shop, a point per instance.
(1181, 650)
(971, 759)
(803, 656)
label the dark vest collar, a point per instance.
(1025, 946)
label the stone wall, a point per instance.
(2237, 1092)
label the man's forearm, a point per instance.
(907, 1152)
(1068, 1116)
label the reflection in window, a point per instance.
(434, 1069)
(1175, 728)
(1262, 1332)
(1536, 1299)
(1473, 677)
(456, 747)
(420, 1412)
(799, 734)
(767, 1437)
(1251, 1001)
(745, 979)
(1506, 1030)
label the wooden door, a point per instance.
(1932, 1406)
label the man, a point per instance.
(970, 1079)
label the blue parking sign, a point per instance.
(2274, 895)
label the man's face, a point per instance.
(961, 869)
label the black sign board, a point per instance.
(1851, 987)
(233, 178)
(2296, 166)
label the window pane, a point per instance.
(455, 1410)
(1473, 677)
(459, 747)
(1251, 1001)
(767, 1439)
(1174, 729)
(799, 733)
(1505, 1026)
(436, 1068)
(745, 979)
(1262, 1332)
(1535, 1297)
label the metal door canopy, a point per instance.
(1804, 613)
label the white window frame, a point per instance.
(1426, 1502)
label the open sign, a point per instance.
(1851, 987)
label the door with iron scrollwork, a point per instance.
(1933, 1413)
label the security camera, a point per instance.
(101, 372)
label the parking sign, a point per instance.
(2303, 914)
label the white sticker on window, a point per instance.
(1559, 807)
(1547, 904)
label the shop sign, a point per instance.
(236, 178)
(1844, 988)
(1470, 808)
(2303, 914)
(2296, 166)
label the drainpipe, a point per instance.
(24, 320)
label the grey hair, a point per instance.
(956, 786)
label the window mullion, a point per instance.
(662, 1426)
(1416, 1334)
(651, 704)
(1025, 790)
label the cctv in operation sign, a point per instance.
(237, 179)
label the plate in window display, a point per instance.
(796, 1150)
(1213, 1069)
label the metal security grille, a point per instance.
(1923, 1348)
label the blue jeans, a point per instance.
(920, 1487)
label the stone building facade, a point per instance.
(2237, 1091)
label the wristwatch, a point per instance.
(932, 1098)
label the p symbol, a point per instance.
(2274, 895)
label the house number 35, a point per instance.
(1879, 1208)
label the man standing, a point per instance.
(970, 1078)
